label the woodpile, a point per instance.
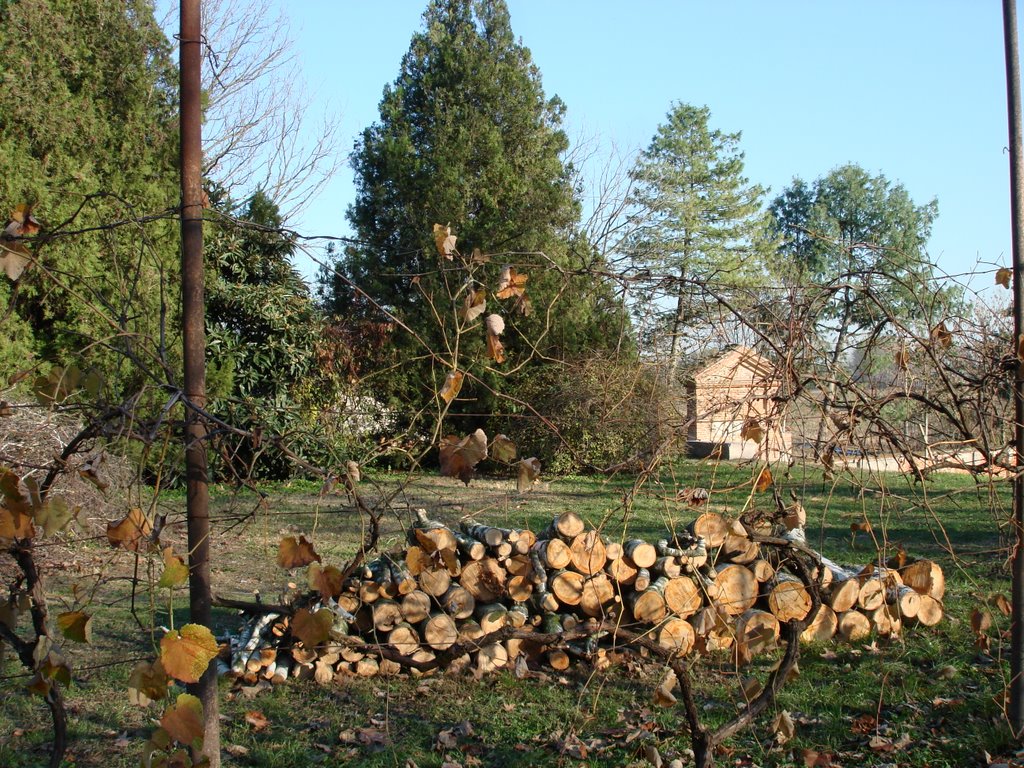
(567, 592)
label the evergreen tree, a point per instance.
(264, 336)
(88, 136)
(699, 221)
(863, 240)
(466, 136)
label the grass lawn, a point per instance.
(929, 698)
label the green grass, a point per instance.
(931, 687)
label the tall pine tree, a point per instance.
(699, 223)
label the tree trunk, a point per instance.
(194, 344)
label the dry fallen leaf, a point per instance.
(257, 720)
(783, 727)
(663, 695)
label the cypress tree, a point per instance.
(466, 137)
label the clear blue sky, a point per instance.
(913, 89)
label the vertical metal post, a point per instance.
(194, 340)
(1016, 211)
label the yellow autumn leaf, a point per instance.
(75, 625)
(312, 629)
(1003, 276)
(186, 653)
(183, 720)
(175, 571)
(502, 449)
(130, 532)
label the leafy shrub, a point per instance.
(587, 416)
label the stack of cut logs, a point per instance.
(708, 588)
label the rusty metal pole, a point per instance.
(193, 320)
(1016, 210)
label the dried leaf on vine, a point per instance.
(523, 306)
(147, 683)
(459, 456)
(473, 305)
(695, 497)
(90, 471)
(312, 629)
(452, 385)
(529, 471)
(75, 625)
(751, 430)
(941, 336)
(981, 621)
(1003, 276)
(14, 255)
(183, 720)
(495, 327)
(14, 258)
(902, 358)
(50, 667)
(502, 449)
(325, 580)
(175, 571)
(292, 553)
(445, 241)
(23, 223)
(495, 349)
(764, 481)
(15, 525)
(57, 385)
(131, 532)
(1001, 602)
(352, 472)
(479, 257)
(511, 283)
